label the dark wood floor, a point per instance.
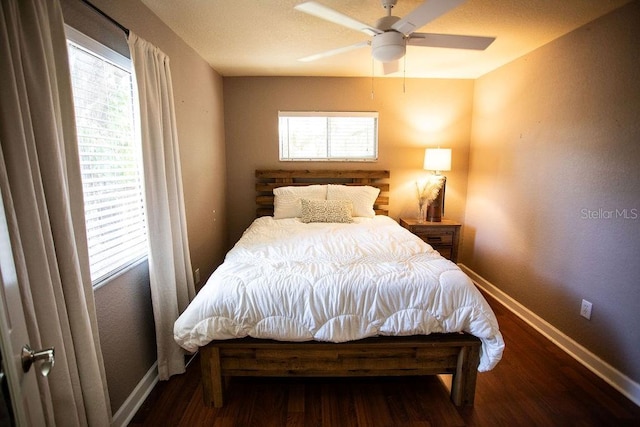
(535, 384)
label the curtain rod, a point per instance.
(113, 21)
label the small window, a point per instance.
(336, 136)
(110, 157)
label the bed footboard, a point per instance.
(456, 354)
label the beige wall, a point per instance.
(556, 140)
(124, 306)
(428, 113)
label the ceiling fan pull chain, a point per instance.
(404, 74)
(372, 72)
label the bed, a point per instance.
(323, 283)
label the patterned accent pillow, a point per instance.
(326, 210)
(363, 197)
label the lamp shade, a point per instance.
(437, 159)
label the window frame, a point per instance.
(93, 47)
(361, 157)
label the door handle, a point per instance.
(29, 357)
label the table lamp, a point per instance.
(437, 160)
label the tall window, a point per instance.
(110, 157)
(337, 136)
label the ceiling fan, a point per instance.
(391, 34)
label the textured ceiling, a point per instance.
(267, 37)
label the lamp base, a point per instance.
(435, 209)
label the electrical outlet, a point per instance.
(196, 275)
(585, 309)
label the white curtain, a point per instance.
(42, 190)
(169, 262)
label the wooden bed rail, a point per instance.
(456, 354)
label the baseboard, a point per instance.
(137, 397)
(608, 373)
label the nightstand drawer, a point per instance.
(443, 236)
(445, 251)
(436, 238)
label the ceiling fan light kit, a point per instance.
(391, 34)
(388, 47)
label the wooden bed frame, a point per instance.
(457, 354)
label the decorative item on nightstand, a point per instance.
(437, 160)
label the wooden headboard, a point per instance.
(267, 180)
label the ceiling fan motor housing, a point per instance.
(388, 46)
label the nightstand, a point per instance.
(443, 236)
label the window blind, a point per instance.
(109, 159)
(337, 136)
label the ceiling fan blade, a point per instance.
(334, 51)
(390, 67)
(426, 12)
(331, 15)
(451, 41)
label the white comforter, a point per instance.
(290, 281)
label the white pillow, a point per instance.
(286, 203)
(362, 196)
(326, 211)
